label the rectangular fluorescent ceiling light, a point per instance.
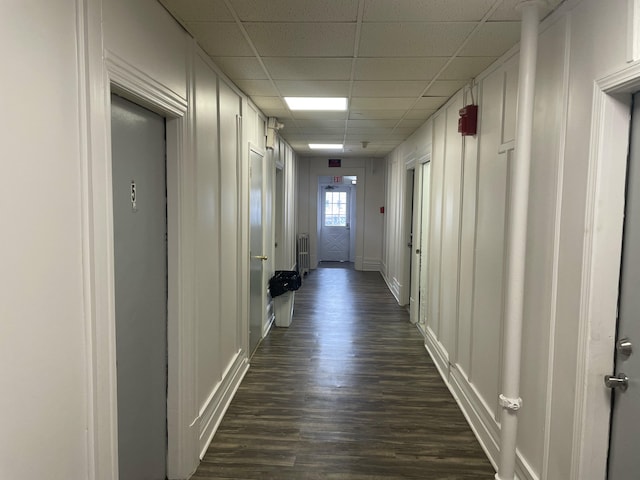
(325, 146)
(316, 103)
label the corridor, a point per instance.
(347, 392)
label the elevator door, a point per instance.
(140, 262)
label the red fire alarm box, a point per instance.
(468, 121)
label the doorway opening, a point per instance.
(336, 221)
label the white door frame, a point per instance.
(316, 172)
(601, 268)
(115, 74)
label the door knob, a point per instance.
(624, 346)
(620, 381)
(418, 251)
(261, 257)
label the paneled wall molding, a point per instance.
(212, 412)
(128, 79)
(601, 267)
(633, 30)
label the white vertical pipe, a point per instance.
(510, 398)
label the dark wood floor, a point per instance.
(347, 392)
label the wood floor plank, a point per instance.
(347, 392)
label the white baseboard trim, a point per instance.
(216, 405)
(480, 418)
(371, 265)
(267, 327)
(437, 352)
(390, 285)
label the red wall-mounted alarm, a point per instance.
(468, 121)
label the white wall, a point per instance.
(580, 43)
(369, 198)
(57, 359)
(44, 362)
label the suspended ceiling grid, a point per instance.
(397, 61)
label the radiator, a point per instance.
(303, 253)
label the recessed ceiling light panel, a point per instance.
(317, 103)
(326, 146)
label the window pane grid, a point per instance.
(335, 210)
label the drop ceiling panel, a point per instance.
(465, 68)
(269, 103)
(374, 103)
(389, 123)
(220, 39)
(412, 68)
(199, 10)
(261, 88)
(445, 88)
(431, 103)
(507, 10)
(320, 116)
(387, 88)
(417, 113)
(410, 124)
(306, 48)
(296, 10)
(241, 67)
(294, 68)
(426, 11)
(493, 39)
(313, 88)
(303, 39)
(315, 122)
(412, 39)
(359, 114)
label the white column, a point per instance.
(510, 398)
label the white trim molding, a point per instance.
(601, 268)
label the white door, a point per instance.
(423, 248)
(624, 461)
(140, 264)
(335, 227)
(256, 280)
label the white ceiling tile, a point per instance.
(422, 114)
(425, 10)
(313, 88)
(302, 39)
(320, 116)
(296, 10)
(410, 123)
(220, 39)
(375, 114)
(412, 39)
(445, 88)
(241, 67)
(199, 10)
(507, 10)
(383, 103)
(417, 68)
(317, 122)
(296, 68)
(261, 88)
(431, 103)
(493, 39)
(269, 103)
(466, 68)
(388, 88)
(389, 123)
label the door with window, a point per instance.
(335, 227)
